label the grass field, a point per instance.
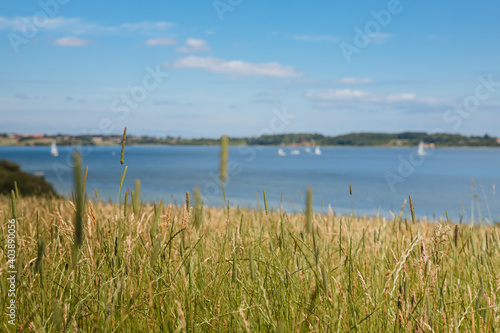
(91, 266)
(164, 268)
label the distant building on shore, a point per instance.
(35, 136)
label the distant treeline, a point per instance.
(354, 139)
(360, 140)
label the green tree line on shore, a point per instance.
(404, 139)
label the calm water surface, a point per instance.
(382, 178)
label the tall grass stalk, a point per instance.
(265, 203)
(188, 201)
(13, 204)
(352, 204)
(486, 202)
(198, 208)
(309, 210)
(224, 155)
(17, 189)
(136, 196)
(125, 204)
(84, 183)
(122, 160)
(78, 221)
(412, 210)
(124, 139)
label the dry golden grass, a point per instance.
(166, 269)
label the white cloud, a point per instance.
(343, 95)
(71, 41)
(236, 67)
(405, 97)
(316, 38)
(338, 95)
(160, 41)
(193, 45)
(21, 23)
(80, 26)
(354, 80)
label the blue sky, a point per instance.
(231, 66)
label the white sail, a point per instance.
(295, 152)
(53, 149)
(317, 151)
(421, 149)
(281, 152)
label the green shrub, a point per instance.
(27, 184)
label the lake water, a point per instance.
(382, 178)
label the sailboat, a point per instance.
(317, 151)
(53, 149)
(421, 150)
(281, 152)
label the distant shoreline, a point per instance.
(295, 140)
(242, 145)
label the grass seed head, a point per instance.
(309, 210)
(124, 138)
(224, 154)
(412, 210)
(14, 207)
